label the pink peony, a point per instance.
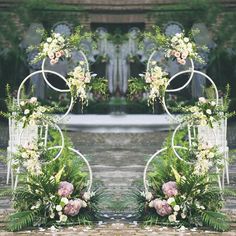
(72, 208)
(170, 189)
(65, 189)
(162, 207)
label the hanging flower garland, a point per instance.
(78, 80)
(156, 79)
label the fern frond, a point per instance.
(216, 220)
(20, 220)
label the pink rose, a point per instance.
(65, 189)
(181, 61)
(58, 54)
(72, 208)
(170, 189)
(177, 54)
(172, 53)
(162, 207)
(53, 61)
(51, 56)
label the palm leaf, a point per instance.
(20, 220)
(216, 220)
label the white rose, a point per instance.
(52, 215)
(183, 216)
(84, 204)
(176, 208)
(27, 111)
(170, 200)
(24, 155)
(33, 100)
(174, 39)
(186, 40)
(202, 100)
(208, 111)
(148, 196)
(22, 103)
(63, 218)
(211, 155)
(64, 200)
(172, 218)
(213, 103)
(49, 40)
(151, 204)
(58, 208)
(86, 196)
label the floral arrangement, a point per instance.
(180, 47)
(157, 80)
(78, 79)
(58, 196)
(204, 113)
(58, 47)
(28, 156)
(206, 156)
(55, 48)
(179, 195)
(30, 112)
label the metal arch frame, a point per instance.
(192, 71)
(61, 147)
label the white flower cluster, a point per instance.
(54, 48)
(78, 79)
(29, 156)
(207, 156)
(181, 48)
(203, 113)
(31, 111)
(157, 79)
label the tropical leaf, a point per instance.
(216, 220)
(20, 220)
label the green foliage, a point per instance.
(99, 89)
(199, 197)
(136, 88)
(37, 196)
(216, 220)
(21, 220)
